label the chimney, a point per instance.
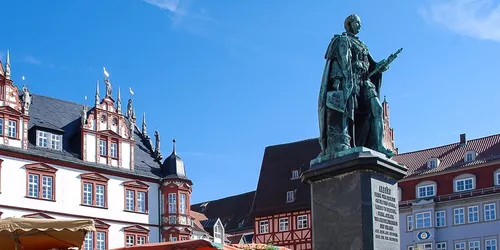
(463, 139)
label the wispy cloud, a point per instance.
(474, 18)
(32, 60)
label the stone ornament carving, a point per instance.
(349, 108)
(26, 99)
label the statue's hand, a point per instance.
(382, 63)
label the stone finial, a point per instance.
(119, 102)
(157, 146)
(173, 147)
(144, 126)
(97, 99)
(7, 66)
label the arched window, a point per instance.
(470, 156)
(433, 163)
(426, 189)
(464, 182)
(496, 177)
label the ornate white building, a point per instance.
(60, 159)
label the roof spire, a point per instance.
(119, 102)
(7, 66)
(97, 93)
(173, 149)
(144, 127)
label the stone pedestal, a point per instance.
(354, 200)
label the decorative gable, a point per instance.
(94, 177)
(100, 224)
(40, 167)
(38, 216)
(136, 184)
(136, 229)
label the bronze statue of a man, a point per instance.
(350, 112)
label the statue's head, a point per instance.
(352, 24)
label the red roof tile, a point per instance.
(450, 156)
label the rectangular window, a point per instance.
(264, 227)
(12, 130)
(129, 240)
(490, 244)
(301, 221)
(460, 246)
(1, 126)
(290, 196)
(441, 246)
(101, 240)
(172, 203)
(295, 174)
(129, 200)
(141, 240)
(423, 220)
(440, 218)
(141, 202)
(473, 214)
(87, 193)
(283, 224)
(114, 150)
(173, 238)
(88, 243)
(426, 191)
(464, 184)
(182, 203)
(102, 147)
(55, 142)
(409, 223)
(490, 212)
(42, 139)
(33, 185)
(497, 178)
(474, 245)
(47, 187)
(459, 216)
(99, 195)
(426, 246)
(172, 220)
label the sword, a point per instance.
(386, 63)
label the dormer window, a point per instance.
(470, 156)
(290, 196)
(295, 174)
(12, 132)
(432, 163)
(48, 140)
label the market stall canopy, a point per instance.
(31, 234)
(180, 245)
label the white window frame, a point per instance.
(283, 224)
(290, 196)
(129, 240)
(441, 245)
(102, 147)
(464, 179)
(302, 222)
(459, 212)
(425, 217)
(1, 126)
(45, 139)
(113, 149)
(264, 227)
(472, 157)
(432, 163)
(460, 245)
(440, 216)
(426, 188)
(88, 242)
(88, 194)
(295, 174)
(12, 129)
(172, 203)
(474, 245)
(490, 211)
(409, 223)
(496, 177)
(424, 246)
(490, 244)
(100, 195)
(182, 203)
(473, 213)
(129, 200)
(100, 240)
(42, 139)
(141, 201)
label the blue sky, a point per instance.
(228, 78)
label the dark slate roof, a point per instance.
(275, 177)
(233, 211)
(451, 156)
(173, 167)
(64, 116)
